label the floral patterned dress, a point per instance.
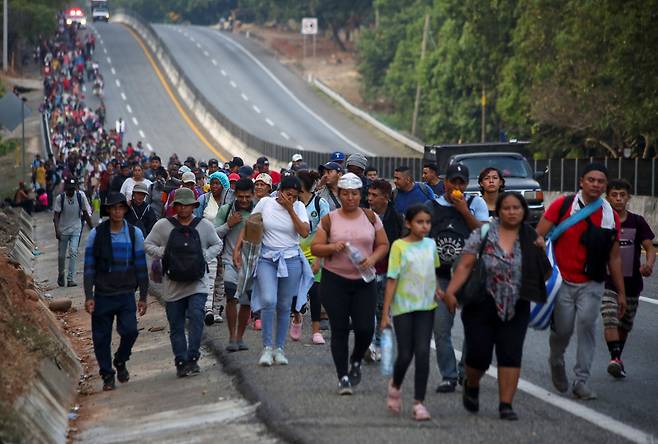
(503, 269)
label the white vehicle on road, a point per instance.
(76, 15)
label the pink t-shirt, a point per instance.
(359, 232)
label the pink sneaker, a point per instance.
(257, 325)
(420, 413)
(318, 339)
(296, 330)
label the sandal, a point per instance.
(420, 413)
(394, 401)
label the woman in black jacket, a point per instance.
(516, 268)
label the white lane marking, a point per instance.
(198, 45)
(575, 408)
(214, 62)
(141, 134)
(299, 147)
(269, 122)
(205, 53)
(118, 83)
(130, 110)
(256, 109)
(105, 50)
(114, 71)
(649, 300)
(135, 121)
(148, 145)
(84, 88)
(223, 72)
(233, 84)
(292, 96)
(192, 38)
(244, 97)
(109, 60)
(284, 135)
(123, 96)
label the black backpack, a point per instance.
(183, 259)
(449, 231)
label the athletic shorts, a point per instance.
(231, 285)
(609, 309)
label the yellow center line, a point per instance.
(173, 98)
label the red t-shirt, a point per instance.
(570, 253)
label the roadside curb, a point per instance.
(266, 411)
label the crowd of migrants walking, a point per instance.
(341, 241)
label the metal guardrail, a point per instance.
(45, 134)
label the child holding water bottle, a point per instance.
(411, 293)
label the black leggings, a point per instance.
(413, 332)
(314, 302)
(346, 299)
(484, 330)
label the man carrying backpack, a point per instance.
(115, 265)
(71, 210)
(454, 216)
(408, 192)
(185, 244)
(583, 253)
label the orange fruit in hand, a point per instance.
(456, 194)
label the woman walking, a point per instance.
(316, 208)
(492, 183)
(282, 270)
(345, 294)
(516, 268)
(410, 296)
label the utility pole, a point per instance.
(5, 45)
(483, 113)
(423, 46)
(23, 164)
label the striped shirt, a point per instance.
(125, 273)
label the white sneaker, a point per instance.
(266, 357)
(279, 357)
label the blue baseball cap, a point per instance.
(331, 166)
(337, 156)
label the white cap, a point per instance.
(350, 181)
(188, 177)
(265, 178)
(296, 157)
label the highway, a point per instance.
(252, 88)
(304, 391)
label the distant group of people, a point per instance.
(367, 256)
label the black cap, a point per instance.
(236, 162)
(245, 171)
(70, 183)
(203, 164)
(125, 165)
(262, 161)
(114, 199)
(213, 162)
(457, 170)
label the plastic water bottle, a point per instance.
(386, 343)
(355, 255)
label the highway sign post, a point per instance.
(309, 27)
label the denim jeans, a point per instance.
(445, 353)
(122, 307)
(190, 307)
(381, 288)
(276, 293)
(70, 241)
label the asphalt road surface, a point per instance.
(248, 85)
(299, 401)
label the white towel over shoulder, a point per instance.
(608, 220)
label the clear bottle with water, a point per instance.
(356, 257)
(388, 352)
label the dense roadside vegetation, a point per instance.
(575, 76)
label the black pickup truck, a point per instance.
(508, 157)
